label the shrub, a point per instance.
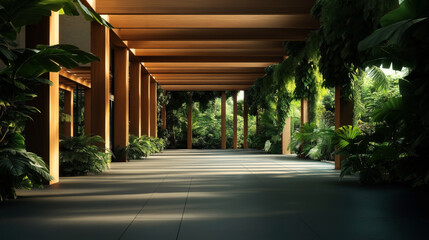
(315, 143)
(82, 155)
(143, 146)
(19, 168)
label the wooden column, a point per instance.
(164, 115)
(245, 122)
(135, 99)
(304, 120)
(145, 104)
(87, 117)
(304, 111)
(286, 137)
(343, 117)
(190, 105)
(68, 109)
(42, 134)
(100, 82)
(223, 121)
(153, 109)
(121, 104)
(234, 128)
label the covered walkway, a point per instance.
(215, 194)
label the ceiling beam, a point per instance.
(276, 34)
(197, 64)
(74, 78)
(203, 70)
(206, 76)
(205, 82)
(203, 7)
(204, 87)
(208, 59)
(246, 44)
(210, 52)
(302, 21)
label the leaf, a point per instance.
(405, 11)
(394, 33)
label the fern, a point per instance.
(82, 155)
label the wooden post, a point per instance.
(343, 117)
(42, 134)
(121, 104)
(234, 128)
(190, 105)
(87, 111)
(164, 115)
(153, 109)
(304, 111)
(135, 99)
(245, 122)
(304, 119)
(286, 137)
(145, 104)
(223, 120)
(68, 109)
(100, 82)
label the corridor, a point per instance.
(215, 194)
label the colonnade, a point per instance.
(131, 80)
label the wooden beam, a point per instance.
(88, 111)
(206, 82)
(214, 76)
(245, 121)
(211, 52)
(343, 117)
(205, 87)
(209, 59)
(42, 134)
(245, 44)
(121, 103)
(65, 87)
(277, 34)
(164, 115)
(304, 111)
(189, 134)
(303, 21)
(286, 137)
(68, 109)
(198, 64)
(100, 82)
(75, 78)
(204, 7)
(145, 104)
(204, 70)
(153, 109)
(223, 120)
(234, 128)
(135, 99)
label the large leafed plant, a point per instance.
(21, 70)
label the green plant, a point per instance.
(402, 41)
(315, 143)
(143, 146)
(20, 73)
(82, 155)
(19, 168)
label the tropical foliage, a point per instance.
(403, 130)
(143, 146)
(20, 73)
(82, 155)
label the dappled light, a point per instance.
(210, 191)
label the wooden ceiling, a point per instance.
(208, 44)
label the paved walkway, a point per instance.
(214, 194)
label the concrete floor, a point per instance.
(215, 194)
